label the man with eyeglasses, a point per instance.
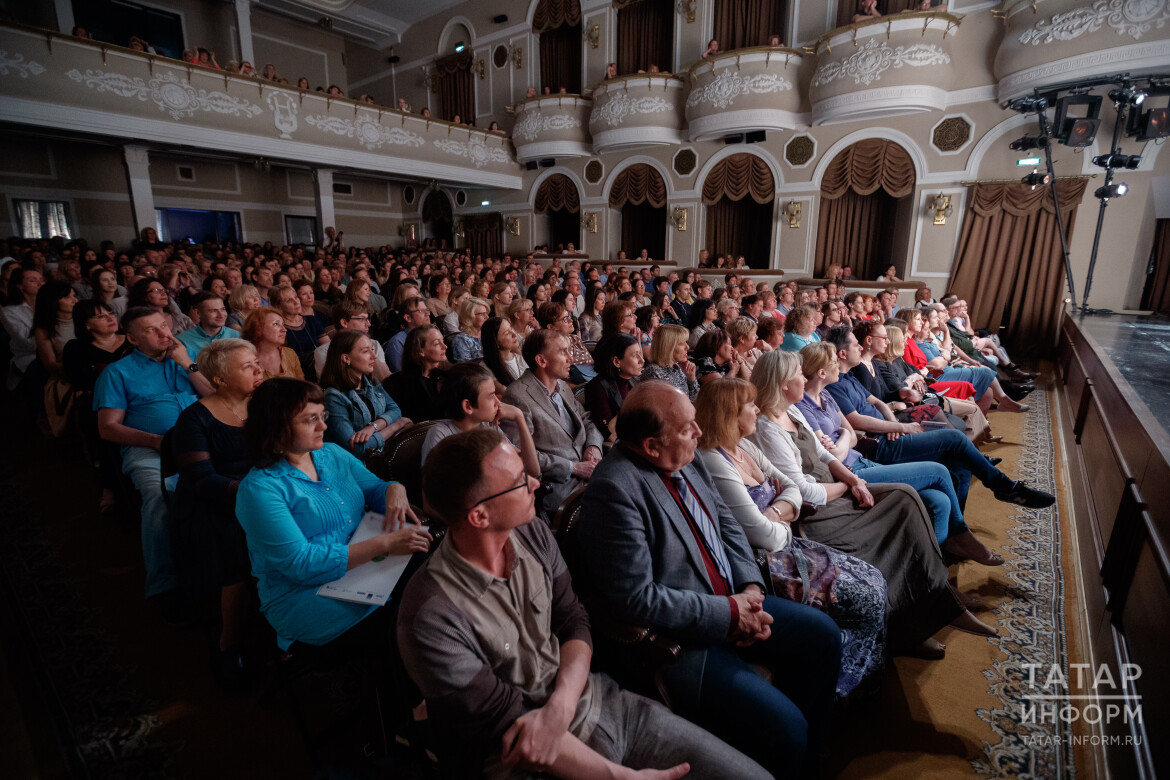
(353, 315)
(414, 312)
(491, 632)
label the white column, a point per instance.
(141, 194)
(244, 31)
(65, 21)
(323, 197)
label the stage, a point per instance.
(1140, 349)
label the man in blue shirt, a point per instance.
(414, 312)
(210, 314)
(899, 442)
(138, 399)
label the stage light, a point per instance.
(1134, 97)
(1149, 125)
(1074, 131)
(1029, 142)
(1036, 179)
(1027, 105)
(1128, 161)
(1112, 191)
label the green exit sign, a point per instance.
(1028, 161)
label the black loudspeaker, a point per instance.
(530, 165)
(756, 137)
(500, 19)
(547, 162)
(733, 139)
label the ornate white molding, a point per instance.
(1134, 18)
(729, 84)
(874, 57)
(365, 131)
(284, 113)
(17, 63)
(170, 93)
(880, 102)
(475, 150)
(1135, 58)
(534, 122)
(614, 111)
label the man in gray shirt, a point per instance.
(492, 633)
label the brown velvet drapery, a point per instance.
(557, 192)
(743, 23)
(436, 208)
(846, 9)
(456, 87)
(738, 176)
(484, 234)
(742, 227)
(1157, 297)
(1009, 264)
(645, 35)
(644, 227)
(560, 59)
(859, 195)
(636, 185)
(551, 14)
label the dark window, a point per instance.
(114, 21)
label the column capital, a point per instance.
(136, 155)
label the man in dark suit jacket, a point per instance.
(568, 444)
(660, 549)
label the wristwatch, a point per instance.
(191, 369)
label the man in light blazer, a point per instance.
(660, 549)
(568, 444)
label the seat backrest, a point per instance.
(564, 525)
(401, 459)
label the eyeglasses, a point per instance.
(565, 318)
(313, 419)
(526, 483)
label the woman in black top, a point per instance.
(416, 387)
(303, 332)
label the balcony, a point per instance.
(640, 110)
(552, 126)
(1052, 41)
(890, 66)
(744, 90)
(57, 81)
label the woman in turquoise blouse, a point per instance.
(300, 504)
(800, 329)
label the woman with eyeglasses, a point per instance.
(299, 506)
(149, 291)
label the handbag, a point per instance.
(59, 399)
(803, 572)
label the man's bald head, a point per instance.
(658, 422)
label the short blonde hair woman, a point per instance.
(668, 360)
(466, 344)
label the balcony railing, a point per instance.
(53, 80)
(640, 110)
(1051, 41)
(552, 126)
(743, 90)
(892, 65)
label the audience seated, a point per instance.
(501, 350)
(715, 356)
(466, 344)
(266, 330)
(362, 416)
(303, 332)
(619, 364)
(209, 315)
(413, 312)
(668, 361)
(352, 315)
(416, 387)
(53, 325)
(17, 316)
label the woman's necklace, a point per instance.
(740, 459)
(232, 411)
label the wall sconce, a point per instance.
(512, 225)
(457, 228)
(687, 9)
(481, 67)
(593, 34)
(430, 82)
(589, 221)
(792, 211)
(678, 218)
(518, 57)
(941, 205)
(407, 231)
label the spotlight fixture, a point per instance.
(1134, 97)
(1029, 142)
(1077, 131)
(1111, 191)
(1036, 179)
(1128, 161)
(1027, 105)
(1149, 125)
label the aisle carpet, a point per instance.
(962, 716)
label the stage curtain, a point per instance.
(551, 14)
(645, 35)
(484, 234)
(856, 230)
(867, 166)
(644, 227)
(456, 87)
(743, 23)
(560, 59)
(556, 193)
(742, 227)
(636, 185)
(1158, 296)
(436, 208)
(738, 176)
(1009, 265)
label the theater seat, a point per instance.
(401, 459)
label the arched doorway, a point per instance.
(452, 70)
(639, 193)
(645, 35)
(558, 23)
(559, 202)
(866, 209)
(436, 215)
(738, 194)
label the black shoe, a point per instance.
(995, 461)
(1017, 392)
(1027, 497)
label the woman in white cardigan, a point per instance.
(766, 504)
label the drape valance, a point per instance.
(1020, 200)
(867, 166)
(453, 63)
(484, 233)
(436, 208)
(636, 185)
(551, 14)
(557, 192)
(738, 176)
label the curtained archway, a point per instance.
(484, 234)
(558, 199)
(436, 214)
(1010, 267)
(740, 24)
(645, 35)
(558, 23)
(738, 193)
(639, 193)
(456, 87)
(860, 195)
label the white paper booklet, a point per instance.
(372, 582)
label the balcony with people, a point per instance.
(744, 90)
(643, 109)
(552, 126)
